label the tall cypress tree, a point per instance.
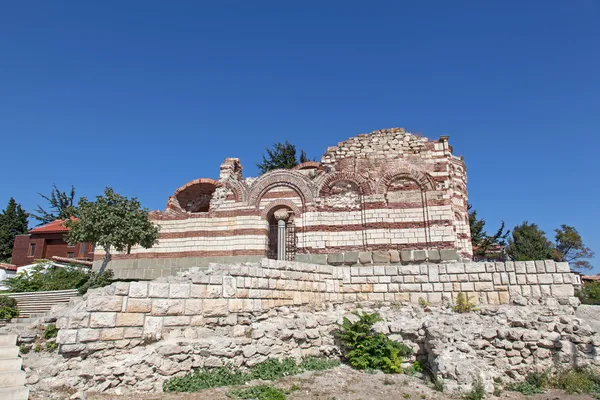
(13, 222)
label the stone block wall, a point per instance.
(132, 311)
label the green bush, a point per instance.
(366, 349)
(24, 349)
(51, 331)
(464, 303)
(8, 308)
(56, 278)
(477, 391)
(51, 346)
(261, 392)
(590, 293)
(577, 380)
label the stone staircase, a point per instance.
(12, 378)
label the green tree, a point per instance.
(281, 156)
(570, 248)
(13, 222)
(112, 222)
(589, 293)
(529, 242)
(480, 240)
(61, 206)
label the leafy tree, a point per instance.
(480, 240)
(112, 222)
(589, 293)
(61, 206)
(529, 243)
(281, 156)
(13, 222)
(570, 248)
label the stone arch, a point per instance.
(307, 165)
(239, 189)
(424, 180)
(291, 179)
(331, 179)
(276, 204)
(195, 196)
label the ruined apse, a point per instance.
(386, 196)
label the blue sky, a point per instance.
(144, 96)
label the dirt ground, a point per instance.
(341, 383)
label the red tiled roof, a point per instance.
(53, 227)
(72, 261)
(8, 267)
(590, 278)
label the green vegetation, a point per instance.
(464, 303)
(438, 384)
(318, 363)
(589, 293)
(13, 222)
(61, 206)
(50, 332)
(51, 346)
(57, 278)
(415, 368)
(231, 376)
(281, 156)
(424, 303)
(24, 349)
(366, 349)
(577, 380)
(570, 248)
(8, 308)
(484, 244)
(112, 222)
(477, 391)
(261, 392)
(529, 242)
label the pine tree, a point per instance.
(61, 206)
(480, 240)
(13, 222)
(529, 243)
(570, 248)
(281, 156)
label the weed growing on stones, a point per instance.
(477, 391)
(577, 380)
(274, 369)
(51, 346)
(24, 349)
(318, 363)
(464, 303)
(51, 331)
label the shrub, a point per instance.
(37, 348)
(477, 391)
(577, 380)
(40, 278)
(424, 303)
(51, 331)
(415, 368)
(8, 308)
(261, 392)
(366, 349)
(24, 349)
(464, 303)
(590, 293)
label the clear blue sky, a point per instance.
(144, 96)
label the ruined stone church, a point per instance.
(383, 197)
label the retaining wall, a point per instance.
(127, 312)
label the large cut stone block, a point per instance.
(179, 290)
(111, 334)
(67, 336)
(167, 307)
(406, 256)
(159, 290)
(138, 289)
(449, 255)
(139, 305)
(103, 320)
(215, 307)
(351, 258)
(335, 258)
(193, 307)
(130, 319)
(562, 291)
(104, 303)
(365, 257)
(153, 327)
(419, 256)
(434, 256)
(394, 256)
(381, 257)
(318, 259)
(88, 335)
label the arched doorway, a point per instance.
(282, 234)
